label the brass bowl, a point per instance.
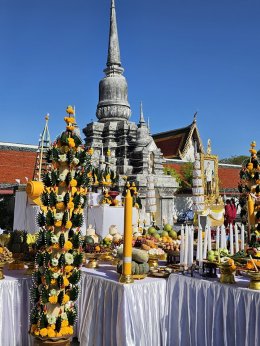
(227, 274)
(254, 280)
(92, 260)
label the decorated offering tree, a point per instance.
(249, 187)
(59, 251)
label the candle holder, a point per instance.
(126, 279)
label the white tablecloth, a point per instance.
(25, 213)
(200, 313)
(153, 312)
(102, 217)
(115, 314)
(14, 309)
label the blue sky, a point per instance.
(180, 56)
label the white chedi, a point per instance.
(197, 190)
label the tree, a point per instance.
(235, 160)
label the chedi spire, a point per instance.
(113, 92)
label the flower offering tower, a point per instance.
(59, 254)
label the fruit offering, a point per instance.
(5, 255)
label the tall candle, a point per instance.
(205, 242)
(242, 237)
(209, 237)
(182, 245)
(217, 238)
(231, 239)
(236, 238)
(223, 237)
(128, 235)
(200, 244)
(191, 245)
(186, 245)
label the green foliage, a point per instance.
(73, 293)
(58, 324)
(78, 259)
(186, 172)
(44, 296)
(41, 219)
(75, 277)
(62, 260)
(6, 212)
(62, 240)
(168, 170)
(60, 282)
(43, 321)
(72, 315)
(235, 160)
(60, 297)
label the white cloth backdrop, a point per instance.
(14, 309)
(202, 313)
(102, 217)
(25, 213)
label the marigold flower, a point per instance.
(64, 323)
(70, 128)
(58, 223)
(68, 245)
(70, 205)
(53, 299)
(51, 333)
(73, 183)
(65, 281)
(43, 332)
(68, 268)
(68, 224)
(60, 206)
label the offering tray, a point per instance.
(105, 256)
(254, 279)
(227, 273)
(160, 272)
(92, 260)
(2, 264)
(139, 277)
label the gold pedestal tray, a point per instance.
(2, 264)
(92, 260)
(254, 280)
(105, 257)
(153, 261)
(30, 269)
(38, 341)
(227, 274)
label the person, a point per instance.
(234, 210)
(228, 213)
(208, 173)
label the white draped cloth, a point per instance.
(111, 313)
(15, 309)
(203, 313)
(102, 217)
(25, 213)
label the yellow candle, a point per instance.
(251, 214)
(128, 235)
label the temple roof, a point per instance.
(175, 143)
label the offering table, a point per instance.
(111, 313)
(202, 312)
